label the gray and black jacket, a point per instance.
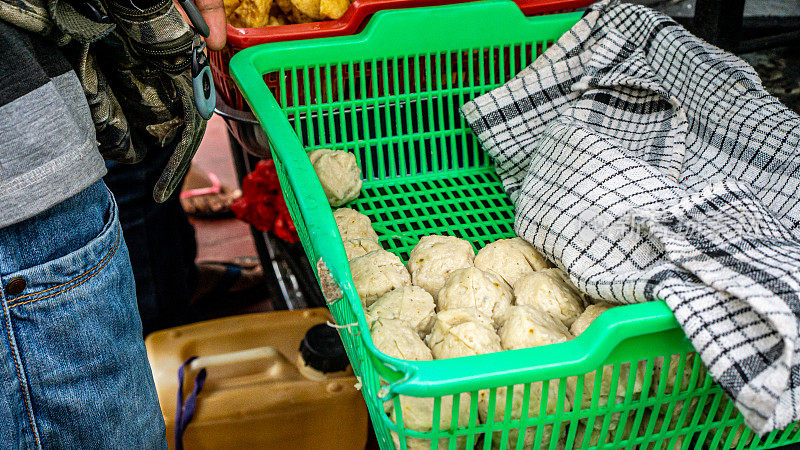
(131, 63)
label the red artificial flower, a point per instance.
(284, 228)
(262, 184)
(262, 204)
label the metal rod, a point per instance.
(765, 43)
(719, 22)
(276, 293)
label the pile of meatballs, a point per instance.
(450, 302)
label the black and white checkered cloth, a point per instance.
(651, 165)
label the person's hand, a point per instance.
(214, 13)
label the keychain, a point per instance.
(202, 84)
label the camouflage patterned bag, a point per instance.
(135, 66)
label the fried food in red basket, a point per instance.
(262, 13)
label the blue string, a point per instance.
(185, 411)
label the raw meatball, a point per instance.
(588, 316)
(526, 326)
(435, 257)
(547, 291)
(411, 304)
(670, 384)
(510, 259)
(725, 411)
(338, 173)
(568, 281)
(418, 416)
(594, 436)
(605, 383)
(473, 288)
(604, 394)
(354, 225)
(672, 373)
(360, 247)
(580, 435)
(397, 339)
(377, 273)
(534, 407)
(462, 332)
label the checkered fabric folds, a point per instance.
(651, 165)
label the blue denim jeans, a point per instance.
(73, 368)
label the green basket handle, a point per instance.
(585, 353)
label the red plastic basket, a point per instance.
(353, 20)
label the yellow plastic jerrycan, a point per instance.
(273, 381)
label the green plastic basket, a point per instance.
(390, 95)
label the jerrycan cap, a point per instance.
(322, 349)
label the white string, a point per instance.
(339, 327)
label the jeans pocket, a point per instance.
(77, 335)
